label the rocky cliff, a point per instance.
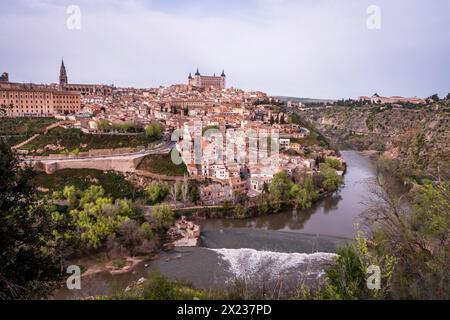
(417, 139)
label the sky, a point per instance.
(314, 48)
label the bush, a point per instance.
(331, 180)
(153, 131)
(240, 212)
(334, 163)
(163, 216)
(133, 238)
(157, 192)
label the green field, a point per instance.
(162, 164)
(114, 184)
(72, 139)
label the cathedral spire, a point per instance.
(223, 73)
(197, 73)
(63, 74)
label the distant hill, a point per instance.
(305, 100)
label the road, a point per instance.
(164, 149)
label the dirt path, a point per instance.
(26, 141)
(49, 127)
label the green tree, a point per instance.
(434, 97)
(240, 211)
(334, 163)
(163, 216)
(153, 131)
(157, 192)
(91, 194)
(194, 194)
(97, 220)
(415, 158)
(279, 189)
(131, 236)
(30, 260)
(179, 190)
(332, 180)
(226, 207)
(301, 197)
(158, 287)
(103, 125)
(70, 193)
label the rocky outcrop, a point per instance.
(419, 138)
(184, 233)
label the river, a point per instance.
(294, 246)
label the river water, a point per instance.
(293, 246)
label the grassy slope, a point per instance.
(114, 184)
(162, 164)
(22, 126)
(20, 129)
(71, 139)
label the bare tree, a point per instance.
(173, 193)
(185, 189)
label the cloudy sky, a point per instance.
(314, 48)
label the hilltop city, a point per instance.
(203, 99)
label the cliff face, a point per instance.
(417, 139)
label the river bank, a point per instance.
(295, 244)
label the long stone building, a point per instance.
(26, 101)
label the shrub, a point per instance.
(163, 216)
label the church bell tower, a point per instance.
(63, 74)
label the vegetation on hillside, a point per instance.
(95, 221)
(315, 137)
(415, 139)
(409, 245)
(284, 191)
(38, 235)
(31, 260)
(75, 141)
(16, 130)
(24, 126)
(114, 184)
(162, 164)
